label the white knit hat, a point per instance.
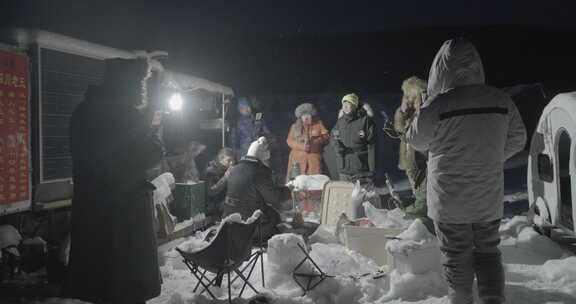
(259, 149)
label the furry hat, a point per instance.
(259, 149)
(413, 89)
(305, 108)
(414, 86)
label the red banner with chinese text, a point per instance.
(14, 130)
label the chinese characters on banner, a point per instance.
(14, 130)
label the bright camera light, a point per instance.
(175, 102)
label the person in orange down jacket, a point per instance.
(306, 137)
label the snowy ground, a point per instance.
(537, 271)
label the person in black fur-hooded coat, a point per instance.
(113, 255)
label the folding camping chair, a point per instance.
(228, 250)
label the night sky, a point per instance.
(266, 47)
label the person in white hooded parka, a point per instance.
(469, 130)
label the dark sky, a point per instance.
(228, 40)
(122, 19)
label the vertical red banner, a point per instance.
(14, 129)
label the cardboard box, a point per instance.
(370, 241)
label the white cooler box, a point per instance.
(370, 241)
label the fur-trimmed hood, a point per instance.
(305, 108)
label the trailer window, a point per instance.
(545, 169)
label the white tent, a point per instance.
(551, 164)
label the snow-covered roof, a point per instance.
(24, 37)
(189, 82)
(58, 42)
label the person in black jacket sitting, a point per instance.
(250, 186)
(216, 177)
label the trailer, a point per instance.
(44, 76)
(552, 166)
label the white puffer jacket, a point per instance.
(469, 130)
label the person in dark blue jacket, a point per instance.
(248, 127)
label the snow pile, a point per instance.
(532, 281)
(414, 287)
(324, 234)
(417, 265)
(309, 182)
(519, 231)
(197, 243)
(338, 260)
(284, 253)
(416, 237)
(383, 218)
(532, 240)
(562, 273)
(513, 226)
(515, 197)
(348, 284)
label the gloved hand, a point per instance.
(307, 148)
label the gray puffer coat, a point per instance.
(469, 130)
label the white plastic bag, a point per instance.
(383, 218)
